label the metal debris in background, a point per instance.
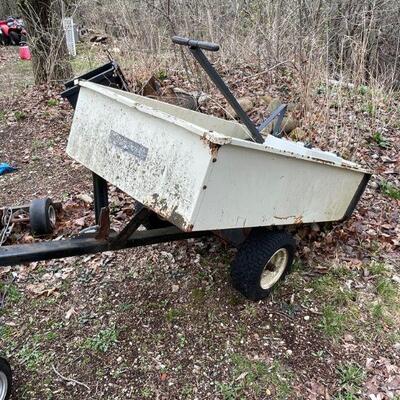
(68, 25)
(9, 217)
(6, 222)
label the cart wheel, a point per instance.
(5, 379)
(263, 259)
(42, 216)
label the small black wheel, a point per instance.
(263, 259)
(5, 379)
(15, 38)
(5, 39)
(42, 216)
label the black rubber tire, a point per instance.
(253, 255)
(6, 369)
(6, 40)
(15, 38)
(40, 216)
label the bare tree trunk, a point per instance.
(46, 37)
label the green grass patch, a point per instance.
(378, 138)
(390, 190)
(161, 75)
(37, 144)
(384, 308)
(31, 357)
(386, 289)
(126, 307)
(11, 292)
(6, 332)
(333, 322)
(103, 340)
(377, 268)
(351, 376)
(253, 377)
(363, 311)
(19, 115)
(52, 102)
(377, 311)
(363, 90)
(173, 314)
(198, 295)
(330, 288)
(87, 58)
(369, 108)
(229, 391)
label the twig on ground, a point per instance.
(70, 379)
(310, 310)
(282, 314)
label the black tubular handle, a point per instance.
(195, 47)
(195, 44)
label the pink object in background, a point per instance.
(24, 52)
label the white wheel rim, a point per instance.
(52, 218)
(274, 268)
(3, 385)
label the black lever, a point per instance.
(195, 47)
(195, 43)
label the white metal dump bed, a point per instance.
(199, 172)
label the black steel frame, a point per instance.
(87, 244)
(100, 192)
(101, 239)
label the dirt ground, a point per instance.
(163, 322)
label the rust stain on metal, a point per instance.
(104, 224)
(288, 217)
(214, 150)
(298, 220)
(327, 162)
(214, 147)
(160, 207)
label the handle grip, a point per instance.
(195, 44)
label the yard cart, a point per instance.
(195, 175)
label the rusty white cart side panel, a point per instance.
(198, 172)
(153, 160)
(265, 189)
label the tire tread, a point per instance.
(252, 256)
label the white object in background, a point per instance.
(68, 25)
